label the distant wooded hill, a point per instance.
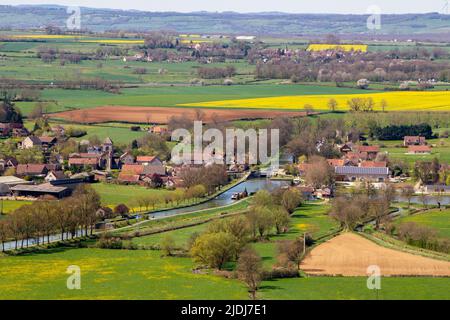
(35, 16)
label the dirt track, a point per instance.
(162, 114)
(350, 255)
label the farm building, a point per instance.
(7, 182)
(40, 190)
(414, 141)
(349, 173)
(419, 150)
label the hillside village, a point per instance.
(105, 171)
(58, 175)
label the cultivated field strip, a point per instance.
(350, 255)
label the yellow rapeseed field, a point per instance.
(396, 101)
(115, 41)
(344, 47)
(44, 36)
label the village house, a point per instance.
(93, 160)
(158, 130)
(336, 162)
(135, 172)
(82, 162)
(43, 142)
(30, 142)
(55, 175)
(307, 192)
(129, 178)
(101, 175)
(58, 130)
(353, 174)
(32, 170)
(346, 147)
(15, 129)
(126, 158)
(414, 141)
(8, 162)
(145, 159)
(152, 161)
(324, 193)
(371, 151)
(354, 158)
(419, 150)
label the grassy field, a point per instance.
(11, 205)
(440, 150)
(436, 219)
(355, 288)
(120, 133)
(114, 194)
(396, 101)
(144, 274)
(110, 274)
(171, 96)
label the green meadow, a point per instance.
(396, 151)
(436, 219)
(146, 274)
(114, 194)
(7, 206)
(170, 96)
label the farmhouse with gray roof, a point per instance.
(349, 173)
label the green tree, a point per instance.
(214, 249)
(332, 104)
(292, 199)
(168, 245)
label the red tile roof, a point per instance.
(83, 161)
(24, 169)
(369, 149)
(373, 164)
(145, 158)
(413, 149)
(336, 162)
(124, 177)
(414, 139)
(135, 169)
(46, 139)
(86, 155)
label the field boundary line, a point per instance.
(388, 242)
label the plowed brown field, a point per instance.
(162, 114)
(350, 255)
